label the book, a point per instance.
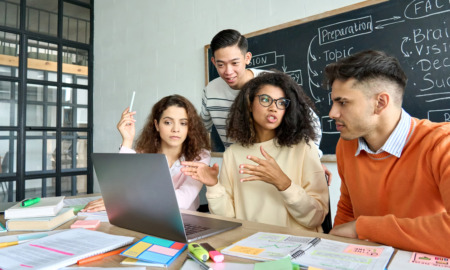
(49, 206)
(2, 228)
(418, 261)
(40, 223)
(23, 237)
(310, 251)
(155, 250)
(86, 224)
(60, 249)
(131, 261)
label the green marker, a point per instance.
(30, 201)
(198, 251)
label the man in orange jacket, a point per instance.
(395, 169)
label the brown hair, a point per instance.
(149, 141)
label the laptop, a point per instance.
(139, 195)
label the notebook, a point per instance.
(60, 249)
(139, 195)
(49, 206)
(155, 250)
(40, 223)
(311, 251)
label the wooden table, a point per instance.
(218, 241)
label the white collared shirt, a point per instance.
(396, 141)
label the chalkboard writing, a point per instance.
(417, 32)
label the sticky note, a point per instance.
(281, 264)
(87, 224)
(364, 251)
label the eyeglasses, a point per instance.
(266, 101)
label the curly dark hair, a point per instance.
(149, 141)
(297, 123)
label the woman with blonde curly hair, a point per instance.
(175, 129)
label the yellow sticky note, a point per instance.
(137, 249)
(246, 250)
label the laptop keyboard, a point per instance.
(192, 229)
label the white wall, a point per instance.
(156, 48)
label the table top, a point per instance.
(218, 241)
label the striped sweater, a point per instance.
(216, 103)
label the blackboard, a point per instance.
(417, 32)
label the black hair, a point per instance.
(365, 66)
(227, 38)
(297, 123)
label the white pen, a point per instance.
(132, 101)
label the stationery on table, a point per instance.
(26, 203)
(309, 251)
(40, 223)
(79, 203)
(431, 260)
(284, 263)
(12, 240)
(99, 256)
(102, 216)
(60, 249)
(131, 261)
(86, 224)
(192, 265)
(198, 251)
(416, 260)
(103, 268)
(155, 250)
(199, 262)
(49, 206)
(214, 255)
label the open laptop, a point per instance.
(139, 195)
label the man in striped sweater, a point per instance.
(395, 169)
(230, 57)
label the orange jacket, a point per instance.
(402, 202)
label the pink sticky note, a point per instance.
(364, 251)
(87, 224)
(163, 250)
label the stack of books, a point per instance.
(45, 215)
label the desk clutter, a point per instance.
(60, 249)
(38, 214)
(154, 250)
(310, 251)
(42, 208)
(52, 249)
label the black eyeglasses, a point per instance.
(266, 101)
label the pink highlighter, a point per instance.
(215, 255)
